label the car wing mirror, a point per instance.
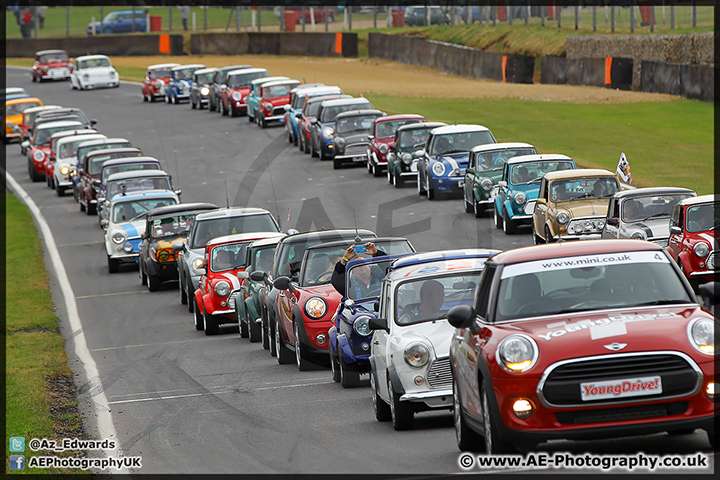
(350, 305)
(258, 276)
(613, 221)
(93, 121)
(709, 293)
(378, 324)
(283, 283)
(242, 275)
(502, 183)
(178, 192)
(371, 137)
(461, 316)
(419, 153)
(177, 246)
(675, 230)
(104, 222)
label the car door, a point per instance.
(541, 207)
(286, 301)
(470, 181)
(675, 240)
(379, 345)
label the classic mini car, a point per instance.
(254, 98)
(130, 181)
(274, 97)
(15, 92)
(351, 136)
(224, 258)
(306, 307)
(218, 81)
(350, 334)
(126, 223)
(484, 170)
(180, 82)
(417, 16)
(287, 263)
(13, 114)
(93, 71)
(250, 296)
(643, 213)
(441, 169)
(49, 162)
(382, 136)
(39, 146)
(293, 111)
(409, 363)
(232, 99)
(208, 225)
(156, 79)
(51, 65)
(65, 159)
(322, 127)
(517, 192)
(200, 87)
(25, 126)
(308, 114)
(693, 242)
(572, 205)
(406, 149)
(163, 227)
(101, 144)
(120, 22)
(89, 147)
(586, 340)
(64, 113)
(127, 164)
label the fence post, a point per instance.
(67, 21)
(577, 15)
(205, 16)
(101, 20)
(612, 19)
(693, 8)
(303, 18)
(558, 12)
(193, 23)
(92, 22)
(527, 12)
(672, 17)
(594, 18)
(349, 10)
(237, 19)
(632, 18)
(259, 17)
(375, 16)
(652, 18)
(170, 19)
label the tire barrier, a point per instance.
(689, 81)
(600, 72)
(453, 59)
(113, 45)
(257, 43)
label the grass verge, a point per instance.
(40, 401)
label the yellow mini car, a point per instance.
(572, 204)
(14, 115)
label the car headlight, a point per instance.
(315, 307)
(383, 149)
(237, 96)
(486, 184)
(118, 237)
(416, 355)
(64, 170)
(362, 326)
(563, 218)
(222, 288)
(639, 235)
(438, 169)
(127, 248)
(38, 155)
(701, 249)
(406, 158)
(701, 333)
(206, 90)
(158, 84)
(268, 107)
(328, 132)
(520, 199)
(339, 141)
(197, 263)
(517, 353)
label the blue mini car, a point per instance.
(518, 190)
(441, 169)
(120, 22)
(180, 83)
(298, 97)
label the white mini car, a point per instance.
(93, 71)
(409, 356)
(66, 159)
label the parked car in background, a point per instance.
(274, 97)
(180, 82)
(318, 15)
(51, 65)
(92, 71)
(406, 149)
(200, 87)
(351, 136)
(485, 170)
(120, 22)
(156, 79)
(517, 192)
(254, 98)
(13, 115)
(233, 94)
(293, 111)
(308, 114)
(572, 204)
(382, 136)
(693, 241)
(595, 339)
(442, 167)
(218, 82)
(417, 16)
(322, 127)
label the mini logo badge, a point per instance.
(17, 444)
(615, 346)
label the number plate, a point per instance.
(628, 387)
(358, 159)
(461, 183)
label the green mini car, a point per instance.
(485, 170)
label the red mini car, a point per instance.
(693, 242)
(582, 340)
(274, 97)
(383, 135)
(39, 148)
(51, 65)
(224, 258)
(233, 93)
(156, 78)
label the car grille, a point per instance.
(356, 149)
(529, 208)
(278, 112)
(561, 385)
(622, 414)
(439, 374)
(712, 261)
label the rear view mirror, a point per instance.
(378, 324)
(242, 275)
(461, 316)
(177, 246)
(613, 221)
(258, 276)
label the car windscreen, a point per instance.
(43, 135)
(583, 188)
(204, 78)
(642, 209)
(94, 63)
(184, 73)
(329, 113)
(276, 91)
(137, 185)
(96, 163)
(211, 228)
(69, 149)
(426, 299)
(701, 218)
(588, 282)
(243, 79)
(84, 150)
(126, 167)
(53, 57)
(74, 115)
(228, 256)
(18, 108)
(387, 129)
(413, 138)
(163, 73)
(355, 124)
(127, 210)
(532, 172)
(171, 225)
(460, 142)
(495, 160)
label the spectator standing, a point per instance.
(27, 23)
(184, 13)
(41, 15)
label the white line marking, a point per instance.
(106, 429)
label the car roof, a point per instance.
(537, 158)
(328, 89)
(192, 65)
(571, 249)
(14, 101)
(144, 193)
(111, 151)
(133, 174)
(344, 242)
(330, 233)
(234, 67)
(247, 70)
(279, 82)
(356, 113)
(162, 66)
(92, 57)
(12, 90)
(205, 70)
(443, 255)
(242, 237)
(123, 161)
(73, 137)
(45, 52)
(60, 123)
(321, 98)
(491, 147)
(700, 199)
(344, 101)
(578, 173)
(426, 125)
(104, 141)
(78, 132)
(268, 79)
(267, 241)
(459, 129)
(61, 110)
(438, 262)
(41, 108)
(232, 212)
(642, 192)
(401, 116)
(179, 208)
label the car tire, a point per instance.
(190, 296)
(420, 188)
(479, 210)
(509, 226)
(301, 355)
(548, 235)
(397, 180)
(82, 205)
(143, 277)
(401, 413)
(183, 293)
(430, 192)
(59, 190)
(337, 164)
(271, 337)
(388, 174)
(376, 170)
(497, 218)
(211, 323)
(334, 365)
(382, 409)
(173, 100)
(220, 107)
(262, 122)
(144, 97)
(349, 375)
(34, 176)
(467, 439)
(90, 209)
(153, 282)
(469, 208)
(152, 98)
(294, 137)
(242, 324)
(306, 146)
(233, 112)
(193, 104)
(537, 239)
(167, 99)
(250, 118)
(113, 265)
(493, 444)
(199, 319)
(254, 329)
(282, 353)
(368, 165)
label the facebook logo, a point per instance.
(17, 444)
(17, 462)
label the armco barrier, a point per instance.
(690, 81)
(453, 59)
(113, 45)
(311, 44)
(600, 72)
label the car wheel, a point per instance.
(294, 137)
(193, 104)
(153, 282)
(306, 147)
(496, 217)
(34, 176)
(420, 188)
(337, 164)
(183, 293)
(509, 226)
(478, 210)
(313, 153)
(300, 355)
(548, 235)
(190, 296)
(211, 323)
(242, 324)
(261, 120)
(271, 337)
(199, 320)
(251, 119)
(349, 376)
(82, 205)
(211, 105)
(382, 409)
(151, 97)
(113, 265)
(90, 209)
(376, 170)
(167, 98)
(143, 277)
(537, 239)
(282, 353)
(694, 283)
(397, 180)
(401, 413)
(467, 439)
(389, 175)
(233, 112)
(173, 100)
(254, 329)
(60, 190)
(334, 365)
(368, 164)
(468, 206)
(493, 444)
(430, 192)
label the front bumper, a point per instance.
(449, 184)
(588, 236)
(433, 398)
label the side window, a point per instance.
(674, 216)
(385, 302)
(483, 296)
(543, 189)
(681, 219)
